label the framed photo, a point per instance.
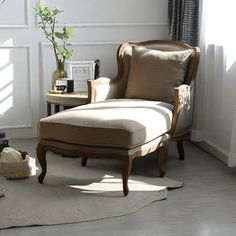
(80, 72)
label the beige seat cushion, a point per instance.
(125, 123)
(154, 74)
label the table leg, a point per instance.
(48, 108)
(57, 108)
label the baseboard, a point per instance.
(196, 135)
(232, 159)
(215, 151)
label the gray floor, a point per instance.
(206, 205)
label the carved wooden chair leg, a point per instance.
(127, 165)
(163, 150)
(84, 161)
(180, 147)
(41, 155)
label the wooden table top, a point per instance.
(67, 99)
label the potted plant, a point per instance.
(47, 22)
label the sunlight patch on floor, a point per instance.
(110, 184)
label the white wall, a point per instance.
(26, 58)
(215, 116)
(220, 106)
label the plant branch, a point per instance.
(48, 21)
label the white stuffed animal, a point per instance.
(10, 155)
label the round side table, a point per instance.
(66, 100)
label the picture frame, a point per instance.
(80, 72)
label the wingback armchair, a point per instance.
(147, 104)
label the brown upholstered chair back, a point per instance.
(124, 54)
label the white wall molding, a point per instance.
(114, 24)
(29, 81)
(96, 43)
(232, 155)
(16, 127)
(30, 88)
(197, 135)
(111, 24)
(232, 159)
(14, 46)
(41, 72)
(20, 26)
(87, 43)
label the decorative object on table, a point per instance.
(61, 85)
(58, 74)
(70, 86)
(80, 72)
(47, 22)
(53, 91)
(97, 70)
(16, 164)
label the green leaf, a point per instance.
(56, 11)
(38, 6)
(59, 35)
(69, 30)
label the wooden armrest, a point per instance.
(182, 113)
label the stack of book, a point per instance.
(3, 141)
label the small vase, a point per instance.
(58, 73)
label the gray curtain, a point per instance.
(184, 21)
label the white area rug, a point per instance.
(72, 193)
